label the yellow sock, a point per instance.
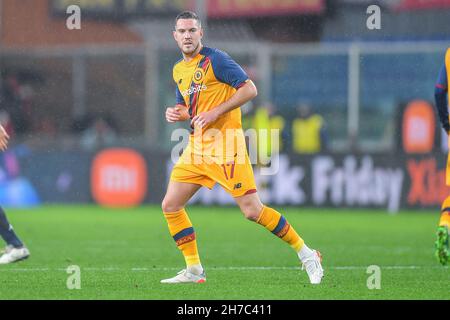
(445, 213)
(279, 226)
(180, 228)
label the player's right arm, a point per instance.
(440, 96)
(4, 138)
(179, 112)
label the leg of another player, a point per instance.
(273, 221)
(442, 241)
(180, 227)
(15, 250)
(7, 232)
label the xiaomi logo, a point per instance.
(119, 178)
(418, 127)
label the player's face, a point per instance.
(188, 35)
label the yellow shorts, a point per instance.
(235, 177)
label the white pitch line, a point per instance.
(146, 269)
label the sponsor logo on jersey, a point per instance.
(194, 89)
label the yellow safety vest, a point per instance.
(306, 134)
(262, 120)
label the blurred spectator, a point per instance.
(82, 123)
(47, 126)
(265, 118)
(16, 101)
(308, 131)
(98, 134)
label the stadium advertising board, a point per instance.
(421, 4)
(257, 8)
(401, 5)
(426, 182)
(125, 9)
(56, 177)
(390, 182)
(418, 127)
(119, 178)
(122, 9)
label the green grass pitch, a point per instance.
(122, 254)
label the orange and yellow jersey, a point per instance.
(203, 83)
(441, 91)
(443, 103)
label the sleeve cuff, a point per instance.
(241, 84)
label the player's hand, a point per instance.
(177, 113)
(4, 138)
(204, 119)
(172, 114)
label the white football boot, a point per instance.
(184, 276)
(11, 254)
(313, 267)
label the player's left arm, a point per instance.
(440, 95)
(227, 71)
(243, 94)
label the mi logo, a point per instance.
(237, 186)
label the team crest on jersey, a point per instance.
(199, 74)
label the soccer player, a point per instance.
(441, 95)
(15, 249)
(211, 87)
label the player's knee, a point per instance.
(252, 216)
(251, 212)
(168, 205)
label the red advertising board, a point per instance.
(127, 9)
(119, 178)
(419, 125)
(257, 8)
